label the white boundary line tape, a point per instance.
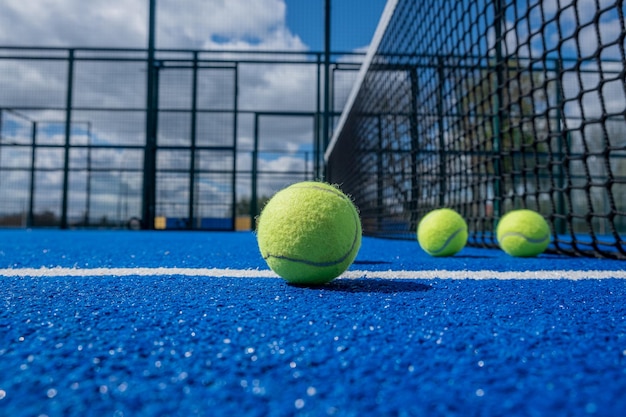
(45, 272)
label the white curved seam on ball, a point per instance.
(447, 242)
(528, 239)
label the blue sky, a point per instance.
(353, 22)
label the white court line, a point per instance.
(45, 272)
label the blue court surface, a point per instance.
(112, 323)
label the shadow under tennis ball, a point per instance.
(370, 285)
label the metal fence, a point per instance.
(184, 139)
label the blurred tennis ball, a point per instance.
(309, 233)
(442, 232)
(523, 233)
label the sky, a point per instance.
(263, 24)
(352, 22)
(286, 25)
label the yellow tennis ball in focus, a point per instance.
(309, 233)
(523, 233)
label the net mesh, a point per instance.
(485, 106)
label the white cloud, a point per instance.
(226, 25)
(288, 163)
(203, 21)
(119, 23)
(278, 40)
(216, 24)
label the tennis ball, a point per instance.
(523, 233)
(442, 232)
(309, 233)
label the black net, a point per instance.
(485, 106)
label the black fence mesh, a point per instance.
(484, 106)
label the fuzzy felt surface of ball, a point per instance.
(442, 232)
(523, 233)
(309, 233)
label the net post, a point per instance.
(443, 185)
(563, 137)
(30, 217)
(497, 112)
(192, 162)
(1, 124)
(414, 149)
(68, 134)
(233, 180)
(379, 174)
(318, 148)
(149, 164)
(89, 169)
(326, 115)
(254, 206)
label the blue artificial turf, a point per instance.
(238, 250)
(180, 346)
